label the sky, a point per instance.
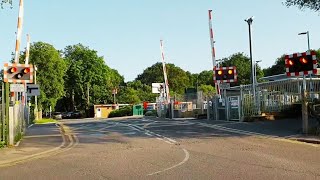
(127, 33)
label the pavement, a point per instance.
(38, 142)
(146, 148)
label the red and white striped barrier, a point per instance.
(19, 32)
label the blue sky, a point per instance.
(127, 32)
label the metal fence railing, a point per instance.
(275, 96)
(17, 120)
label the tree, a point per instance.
(207, 90)
(88, 79)
(206, 77)
(136, 91)
(5, 2)
(278, 68)
(178, 79)
(302, 4)
(129, 95)
(243, 65)
(50, 71)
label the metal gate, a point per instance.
(234, 110)
(225, 108)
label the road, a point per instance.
(169, 149)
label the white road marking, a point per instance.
(186, 158)
(17, 144)
(130, 133)
(235, 130)
(277, 138)
(30, 126)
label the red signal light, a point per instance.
(290, 62)
(303, 60)
(220, 72)
(26, 70)
(230, 72)
(13, 70)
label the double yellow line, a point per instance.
(65, 131)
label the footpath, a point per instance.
(39, 141)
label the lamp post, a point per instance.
(218, 62)
(36, 97)
(249, 21)
(308, 37)
(305, 120)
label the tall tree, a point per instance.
(278, 68)
(207, 90)
(302, 4)
(3, 2)
(88, 79)
(50, 71)
(177, 77)
(129, 95)
(206, 77)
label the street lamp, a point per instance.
(218, 62)
(249, 21)
(36, 97)
(304, 94)
(306, 33)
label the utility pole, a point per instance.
(114, 92)
(7, 112)
(3, 118)
(72, 98)
(36, 97)
(249, 21)
(305, 118)
(88, 95)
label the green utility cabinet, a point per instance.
(137, 110)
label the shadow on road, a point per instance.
(118, 131)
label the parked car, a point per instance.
(57, 115)
(76, 114)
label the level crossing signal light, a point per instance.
(225, 74)
(299, 64)
(18, 73)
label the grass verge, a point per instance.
(45, 121)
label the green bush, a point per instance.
(2, 144)
(124, 111)
(18, 137)
(151, 113)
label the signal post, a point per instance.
(14, 74)
(302, 64)
(225, 75)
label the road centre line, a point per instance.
(186, 158)
(165, 139)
